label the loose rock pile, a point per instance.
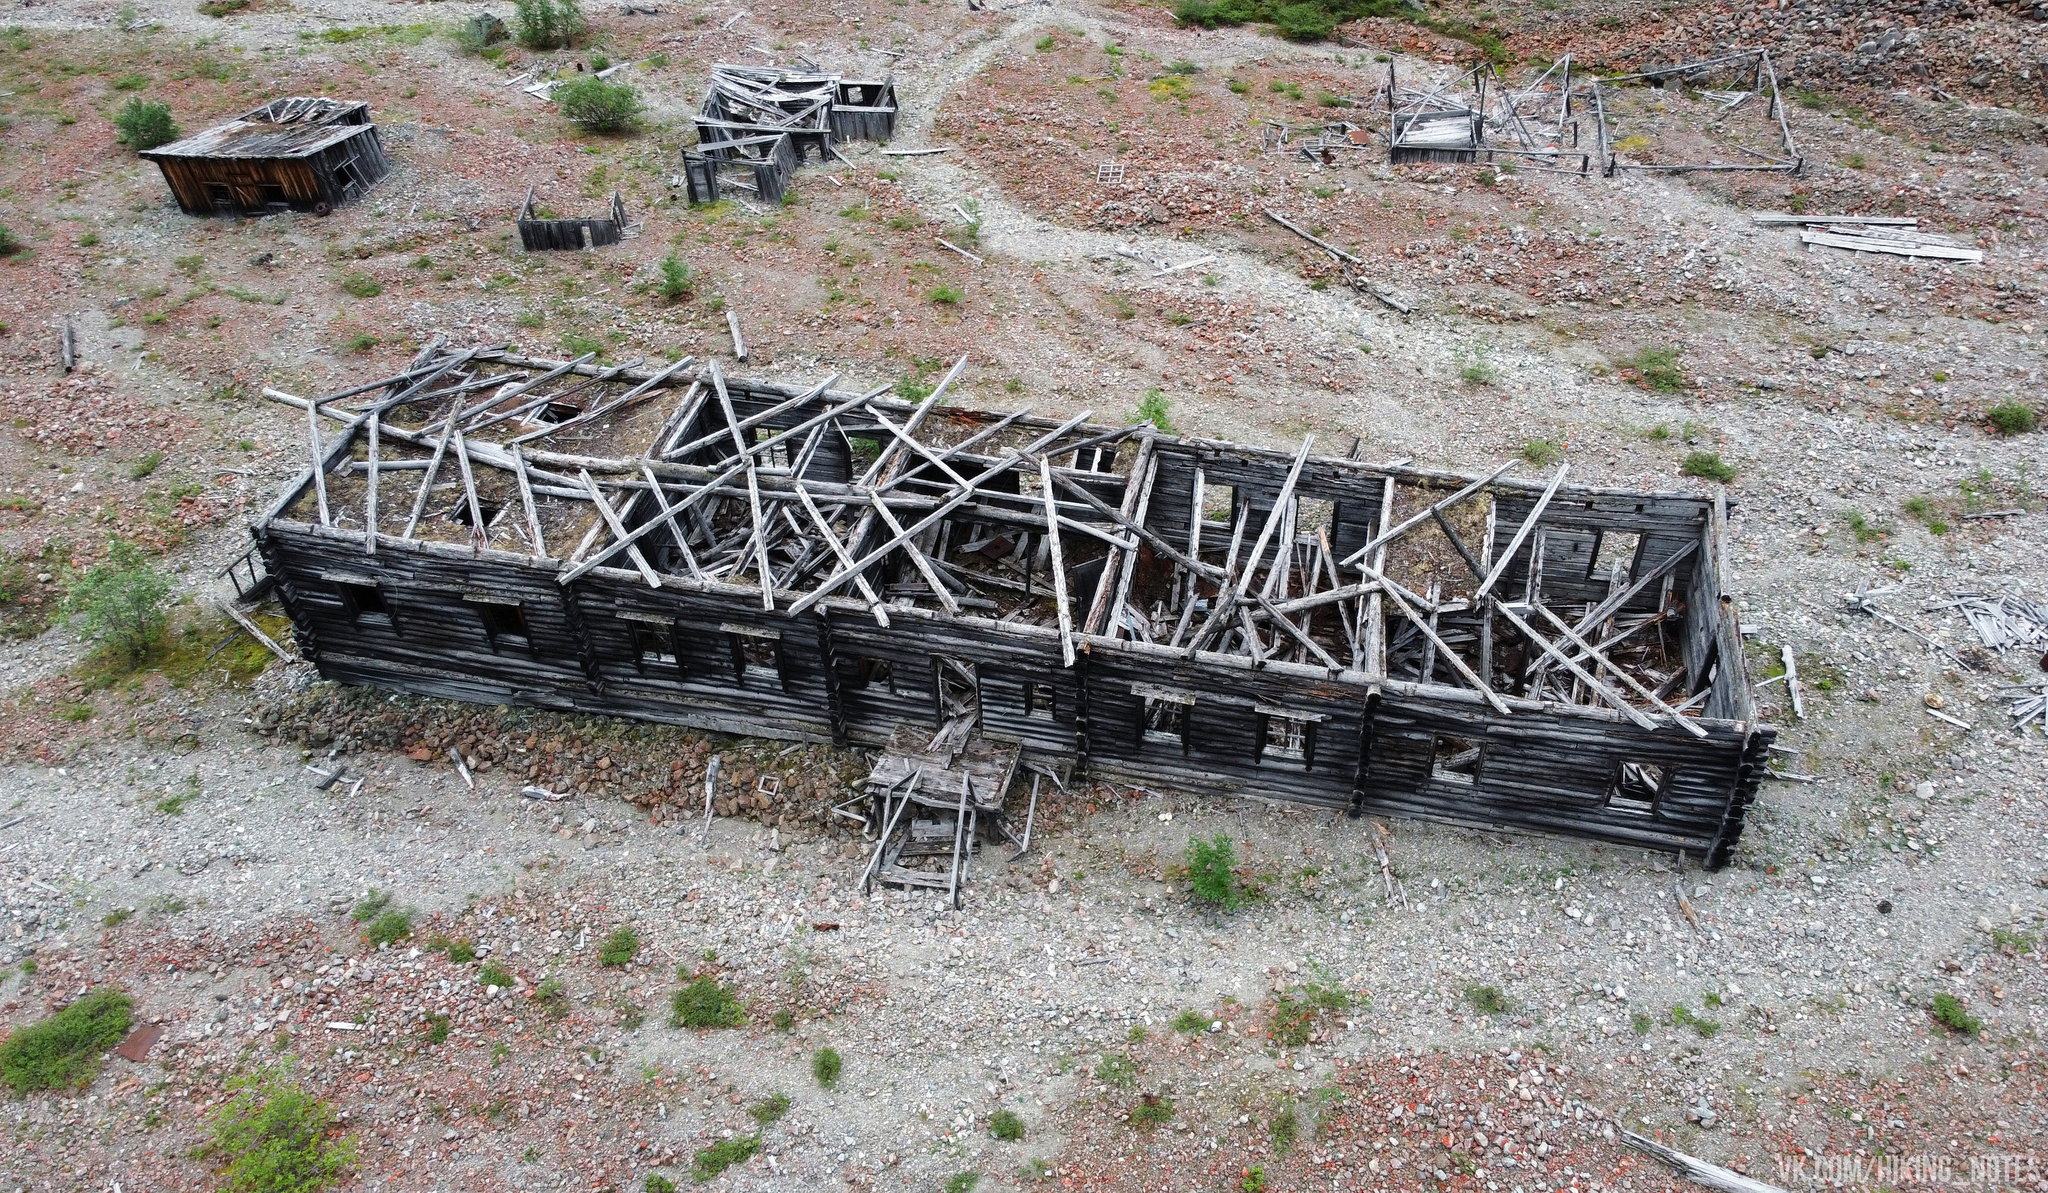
(658, 769)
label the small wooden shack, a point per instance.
(296, 154)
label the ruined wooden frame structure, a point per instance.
(1763, 85)
(758, 124)
(1527, 126)
(809, 563)
(542, 235)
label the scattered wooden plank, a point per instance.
(1898, 248)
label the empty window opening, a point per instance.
(1038, 701)
(1164, 719)
(219, 197)
(654, 646)
(1637, 786)
(873, 673)
(1101, 458)
(1454, 759)
(1314, 513)
(345, 176)
(559, 412)
(1219, 503)
(504, 624)
(861, 452)
(364, 600)
(1616, 552)
(777, 456)
(1286, 740)
(462, 517)
(754, 656)
(271, 194)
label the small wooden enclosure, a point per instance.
(813, 563)
(298, 154)
(538, 235)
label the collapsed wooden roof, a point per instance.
(1521, 593)
(298, 126)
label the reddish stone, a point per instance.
(139, 1042)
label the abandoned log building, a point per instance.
(757, 124)
(540, 231)
(298, 154)
(820, 564)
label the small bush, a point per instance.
(547, 24)
(359, 284)
(389, 928)
(1285, 1130)
(495, 974)
(598, 105)
(121, 603)
(221, 8)
(1542, 452)
(1118, 1071)
(1657, 369)
(961, 1182)
(676, 283)
(2012, 418)
(770, 1109)
(65, 1051)
(1212, 873)
(711, 1161)
(360, 343)
(370, 906)
(946, 295)
(10, 244)
(1475, 364)
(783, 1019)
(704, 1003)
(1487, 1000)
(1708, 466)
(461, 952)
(146, 465)
(1006, 1126)
(1948, 1011)
(657, 1183)
(276, 1137)
(620, 947)
(1641, 1022)
(1152, 1110)
(1188, 1021)
(553, 998)
(1304, 22)
(1045, 43)
(131, 82)
(1683, 1016)
(1154, 408)
(145, 124)
(826, 1066)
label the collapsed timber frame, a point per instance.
(757, 124)
(814, 563)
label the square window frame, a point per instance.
(1265, 754)
(1456, 778)
(1617, 783)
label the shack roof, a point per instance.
(297, 127)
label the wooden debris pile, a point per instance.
(2001, 623)
(1739, 118)
(757, 124)
(1897, 235)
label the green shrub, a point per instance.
(131, 82)
(2012, 418)
(724, 1154)
(1118, 1071)
(370, 907)
(1708, 466)
(1304, 22)
(620, 947)
(1487, 1000)
(598, 105)
(146, 465)
(121, 604)
(65, 1051)
(547, 24)
(553, 998)
(1154, 408)
(389, 928)
(359, 284)
(770, 1109)
(145, 124)
(961, 1182)
(10, 244)
(1006, 1126)
(275, 1137)
(705, 1003)
(461, 951)
(1948, 1011)
(946, 295)
(676, 283)
(1657, 369)
(1542, 452)
(1682, 1016)
(657, 1183)
(1285, 1130)
(1188, 1021)
(1152, 1110)
(1045, 43)
(1212, 873)
(826, 1066)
